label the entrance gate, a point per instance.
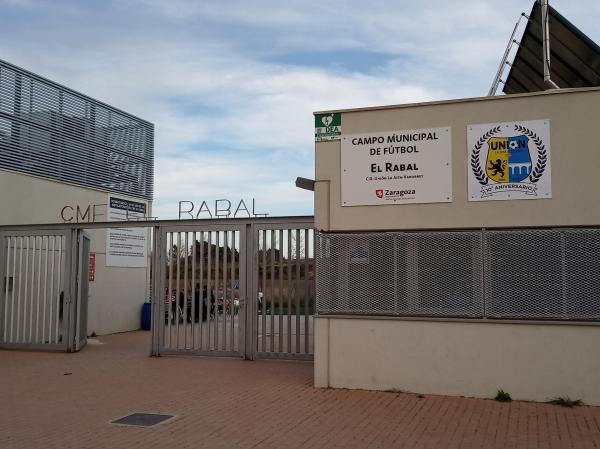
(44, 291)
(244, 288)
(202, 277)
(227, 287)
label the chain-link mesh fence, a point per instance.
(512, 274)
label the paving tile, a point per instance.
(69, 401)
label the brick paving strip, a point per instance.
(226, 403)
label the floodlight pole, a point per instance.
(546, 45)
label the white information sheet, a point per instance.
(126, 247)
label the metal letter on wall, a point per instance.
(397, 167)
(509, 161)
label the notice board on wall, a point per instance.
(126, 247)
(397, 167)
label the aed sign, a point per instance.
(328, 126)
(397, 167)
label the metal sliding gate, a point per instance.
(198, 301)
(244, 288)
(43, 297)
(285, 288)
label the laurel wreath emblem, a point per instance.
(537, 172)
(475, 165)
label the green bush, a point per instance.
(565, 401)
(503, 396)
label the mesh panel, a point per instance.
(447, 269)
(582, 273)
(523, 274)
(511, 274)
(400, 274)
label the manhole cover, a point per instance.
(142, 419)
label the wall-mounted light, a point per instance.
(305, 183)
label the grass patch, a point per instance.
(503, 396)
(565, 401)
(394, 390)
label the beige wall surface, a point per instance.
(117, 294)
(529, 361)
(116, 298)
(575, 152)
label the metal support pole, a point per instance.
(69, 285)
(546, 46)
(250, 246)
(158, 291)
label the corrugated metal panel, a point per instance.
(51, 131)
(575, 59)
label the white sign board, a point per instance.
(397, 167)
(126, 247)
(509, 161)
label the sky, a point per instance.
(231, 85)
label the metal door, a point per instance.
(243, 289)
(35, 297)
(83, 282)
(284, 293)
(200, 290)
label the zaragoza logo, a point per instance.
(508, 160)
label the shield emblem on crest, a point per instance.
(508, 159)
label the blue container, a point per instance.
(146, 316)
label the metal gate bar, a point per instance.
(202, 281)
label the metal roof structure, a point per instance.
(575, 58)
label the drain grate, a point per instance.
(142, 419)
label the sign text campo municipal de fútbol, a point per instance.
(397, 167)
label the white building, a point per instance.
(63, 157)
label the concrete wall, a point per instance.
(117, 294)
(530, 361)
(575, 149)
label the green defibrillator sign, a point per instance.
(328, 127)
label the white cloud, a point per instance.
(200, 177)
(231, 119)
